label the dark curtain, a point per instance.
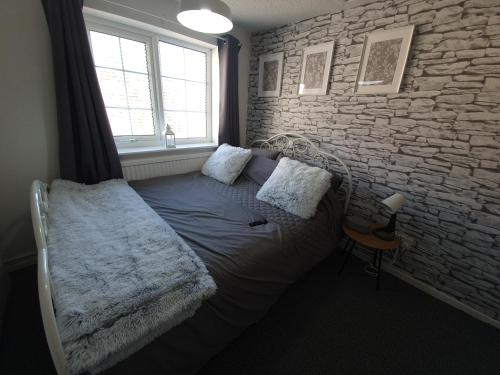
(229, 116)
(87, 151)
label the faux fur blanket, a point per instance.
(120, 274)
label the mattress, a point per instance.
(251, 265)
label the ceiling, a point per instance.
(252, 15)
(256, 15)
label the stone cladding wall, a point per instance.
(437, 141)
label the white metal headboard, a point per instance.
(299, 147)
(39, 208)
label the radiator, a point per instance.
(144, 168)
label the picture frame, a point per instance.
(383, 60)
(315, 70)
(270, 73)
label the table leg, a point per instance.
(379, 266)
(347, 256)
(347, 244)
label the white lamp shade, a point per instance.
(205, 16)
(394, 202)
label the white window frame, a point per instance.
(152, 39)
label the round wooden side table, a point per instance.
(370, 241)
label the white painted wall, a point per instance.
(28, 133)
(28, 119)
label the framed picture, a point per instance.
(270, 71)
(315, 70)
(383, 61)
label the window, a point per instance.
(149, 80)
(184, 83)
(123, 73)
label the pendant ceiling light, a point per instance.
(206, 16)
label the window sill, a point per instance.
(179, 149)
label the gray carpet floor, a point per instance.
(324, 324)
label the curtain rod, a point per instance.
(225, 40)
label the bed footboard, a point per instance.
(39, 206)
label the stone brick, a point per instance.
(426, 178)
(434, 133)
(489, 97)
(467, 78)
(448, 14)
(461, 44)
(486, 219)
(470, 53)
(419, 151)
(431, 83)
(441, 69)
(455, 99)
(486, 60)
(492, 30)
(484, 69)
(492, 84)
(464, 85)
(478, 116)
(419, 7)
(457, 171)
(437, 4)
(481, 3)
(423, 18)
(429, 38)
(492, 52)
(487, 175)
(424, 94)
(421, 105)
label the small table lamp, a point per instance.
(394, 203)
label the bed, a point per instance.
(251, 265)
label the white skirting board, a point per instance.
(428, 289)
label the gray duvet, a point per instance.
(251, 265)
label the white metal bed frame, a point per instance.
(39, 208)
(290, 144)
(299, 147)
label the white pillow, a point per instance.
(226, 163)
(295, 187)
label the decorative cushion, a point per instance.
(226, 163)
(337, 179)
(259, 169)
(266, 152)
(295, 187)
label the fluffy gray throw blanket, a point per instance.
(120, 274)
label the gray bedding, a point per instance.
(252, 266)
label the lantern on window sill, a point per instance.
(169, 137)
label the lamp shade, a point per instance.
(205, 16)
(394, 202)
